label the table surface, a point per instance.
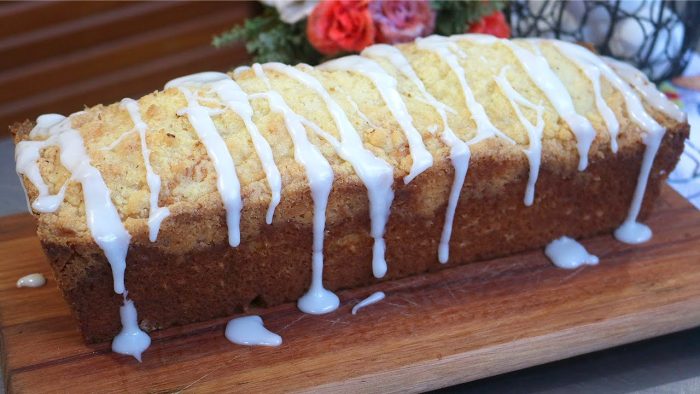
(665, 364)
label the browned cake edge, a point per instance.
(274, 266)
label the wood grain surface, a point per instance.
(431, 331)
(61, 56)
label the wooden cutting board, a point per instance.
(431, 331)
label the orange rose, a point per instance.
(340, 25)
(494, 24)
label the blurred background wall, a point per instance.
(59, 57)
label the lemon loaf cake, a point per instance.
(278, 183)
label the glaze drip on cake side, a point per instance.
(226, 179)
(377, 175)
(534, 131)
(317, 300)
(459, 151)
(103, 220)
(631, 231)
(131, 340)
(237, 100)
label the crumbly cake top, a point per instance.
(188, 177)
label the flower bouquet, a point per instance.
(298, 31)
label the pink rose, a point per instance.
(402, 21)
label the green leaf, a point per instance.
(268, 39)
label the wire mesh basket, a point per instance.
(654, 35)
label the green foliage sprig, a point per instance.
(268, 39)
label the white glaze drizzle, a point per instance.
(226, 179)
(579, 56)
(375, 173)
(131, 340)
(231, 94)
(250, 331)
(372, 299)
(566, 253)
(362, 115)
(537, 68)
(535, 48)
(102, 217)
(31, 280)
(647, 89)
(546, 80)
(239, 70)
(42, 129)
(156, 214)
(119, 140)
(387, 87)
(534, 131)
(634, 105)
(237, 100)
(27, 154)
(631, 231)
(459, 151)
(319, 173)
(445, 50)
